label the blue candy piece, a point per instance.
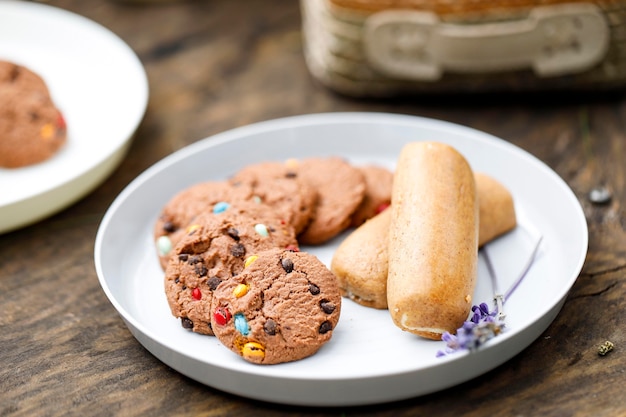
(220, 207)
(241, 324)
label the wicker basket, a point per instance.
(398, 47)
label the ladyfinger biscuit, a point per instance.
(433, 240)
(496, 208)
(361, 260)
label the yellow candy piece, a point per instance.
(240, 290)
(249, 260)
(192, 227)
(47, 131)
(291, 163)
(253, 350)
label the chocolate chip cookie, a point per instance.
(377, 197)
(282, 307)
(32, 128)
(340, 188)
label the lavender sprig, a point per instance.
(484, 324)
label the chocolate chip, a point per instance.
(186, 323)
(287, 265)
(232, 232)
(327, 306)
(169, 227)
(238, 250)
(201, 270)
(314, 289)
(213, 282)
(194, 259)
(325, 327)
(270, 327)
(291, 174)
(15, 73)
(183, 257)
(177, 280)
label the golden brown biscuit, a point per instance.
(433, 240)
(361, 261)
(497, 211)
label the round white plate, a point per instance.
(99, 85)
(368, 360)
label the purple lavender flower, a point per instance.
(475, 332)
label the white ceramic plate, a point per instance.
(368, 360)
(98, 83)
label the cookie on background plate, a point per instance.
(213, 252)
(284, 306)
(32, 128)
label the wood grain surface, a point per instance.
(214, 65)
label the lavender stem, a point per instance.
(497, 296)
(524, 271)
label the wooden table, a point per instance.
(214, 65)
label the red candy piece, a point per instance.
(292, 248)
(221, 315)
(196, 293)
(61, 122)
(382, 207)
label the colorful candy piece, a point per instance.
(240, 290)
(47, 131)
(221, 316)
(261, 229)
(196, 294)
(249, 260)
(382, 207)
(61, 124)
(292, 163)
(241, 324)
(292, 248)
(192, 228)
(164, 245)
(220, 207)
(253, 350)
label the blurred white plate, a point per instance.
(368, 360)
(99, 85)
